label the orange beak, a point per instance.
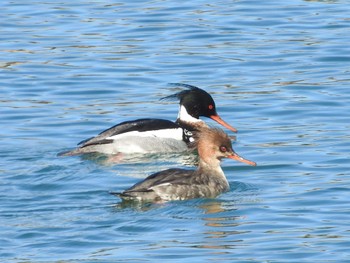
(218, 119)
(236, 157)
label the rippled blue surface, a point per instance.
(279, 72)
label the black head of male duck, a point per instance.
(195, 103)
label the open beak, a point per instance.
(236, 157)
(218, 119)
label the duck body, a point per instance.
(207, 181)
(138, 136)
(177, 184)
(151, 135)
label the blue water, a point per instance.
(279, 72)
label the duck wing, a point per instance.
(144, 190)
(140, 125)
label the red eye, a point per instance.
(223, 149)
(210, 107)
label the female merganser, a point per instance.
(208, 181)
(156, 135)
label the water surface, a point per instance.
(279, 73)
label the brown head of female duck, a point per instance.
(207, 181)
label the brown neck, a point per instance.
(191, 126)
(209, 163)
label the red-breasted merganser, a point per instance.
(208, 181)
(156, 135)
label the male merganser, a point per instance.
(208, 181)
(156, 135)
